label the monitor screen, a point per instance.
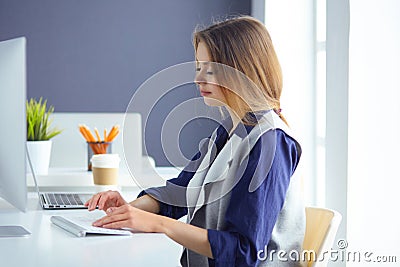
(13, 122)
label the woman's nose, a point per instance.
(199, 77)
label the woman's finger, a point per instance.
(110, 199)
(93, 202)
(118, 210)
(117, 225)
(103, 200)
(110, 219)
(88, 201)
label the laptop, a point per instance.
(58, 200)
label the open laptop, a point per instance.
(58, 200)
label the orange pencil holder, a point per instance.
(95, 148)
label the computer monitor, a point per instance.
(13, 122)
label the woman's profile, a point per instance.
(239, 192)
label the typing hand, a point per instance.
(127, 216)
(105, 200)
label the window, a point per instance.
(298, 31)
(320, 97)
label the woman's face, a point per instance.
(206, 78)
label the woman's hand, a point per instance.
(127, 216)
(105, 200)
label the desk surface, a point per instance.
(49, 245)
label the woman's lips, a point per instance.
(205, 93)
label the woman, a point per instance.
(238, 192)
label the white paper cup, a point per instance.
(105, 168)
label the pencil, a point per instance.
(82, 131)
(112, 137)
(94, 148)
(90, 135)
(97, 134)
(111, 133)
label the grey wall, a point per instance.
(91, 56)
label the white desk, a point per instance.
(49, 245)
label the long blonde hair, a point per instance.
(244, 44)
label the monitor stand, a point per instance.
(13, 231)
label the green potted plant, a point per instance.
(39, 134)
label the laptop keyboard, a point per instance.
(64, 199)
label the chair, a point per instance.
(321, 228)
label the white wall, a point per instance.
(374, 128)
(70, 149)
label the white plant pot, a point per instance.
(39, 153)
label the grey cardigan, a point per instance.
(208, 195)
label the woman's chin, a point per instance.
(212, 102)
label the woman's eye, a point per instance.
(209, 72)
